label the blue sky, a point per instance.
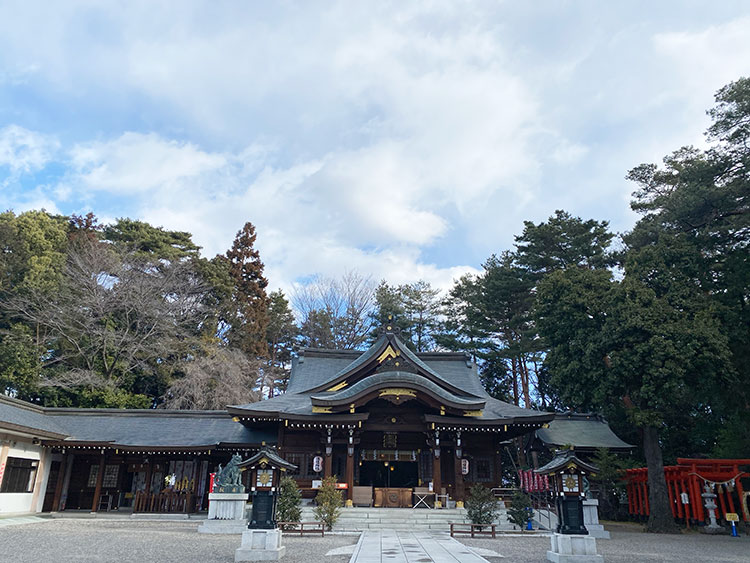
(405, 140)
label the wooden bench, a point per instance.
(473, 529)
(302, 527)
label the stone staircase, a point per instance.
(358, 519)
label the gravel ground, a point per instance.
(628, 544)
(81, 541)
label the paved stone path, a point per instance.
(16, 520)
(389, 546)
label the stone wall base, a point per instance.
(569, 548)
(260, 545)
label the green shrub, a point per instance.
(519, 510)
(288, 504)
(329, 502)
(481, 505)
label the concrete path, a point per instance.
(16, 520)
(390, 546)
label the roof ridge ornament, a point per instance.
(389, 327)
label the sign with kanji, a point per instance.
(464, 467)
(318, 464)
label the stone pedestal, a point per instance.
(570, 548)
(591, 519)
(260, 545)
(226, 514)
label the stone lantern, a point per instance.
(571, 541)
(262, 540)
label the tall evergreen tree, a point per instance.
(250, 324)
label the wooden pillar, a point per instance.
(60, 481)
(149, 474)
(98, 489)
(328, 464)
(349, 478)
(328, 459)
(436, 481)
(66, 483)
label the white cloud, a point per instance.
(136, 163)
(368, 136)
(22, 150)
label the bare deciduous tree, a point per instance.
(335, 313)
(226, 377)
(113, 314)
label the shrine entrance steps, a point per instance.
(359, 519)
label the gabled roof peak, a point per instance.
(388, 353)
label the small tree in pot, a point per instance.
(481, 505)
(329, 503)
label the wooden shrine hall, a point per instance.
(389, 423)
(394, 426)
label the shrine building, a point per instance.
(385, 422)
(390, 419)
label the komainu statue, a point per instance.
(228, 479)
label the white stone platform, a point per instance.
(390, 546)
(260, 545)
(572, 548)
(226, 514)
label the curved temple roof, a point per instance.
(400, 379)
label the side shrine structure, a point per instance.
(387, 422)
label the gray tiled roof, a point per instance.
(316, 367)
(15, 413)
(582, 431)
(156, 428)
(160, 428)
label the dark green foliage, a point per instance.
(249, 322)
(143, 239)
(281, 335)
(329, 502)
(288, 504)
(564, 241)
(519, 510)
(481, 505)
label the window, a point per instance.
(19, 475)
(481, 469)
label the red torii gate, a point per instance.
(688, 476)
